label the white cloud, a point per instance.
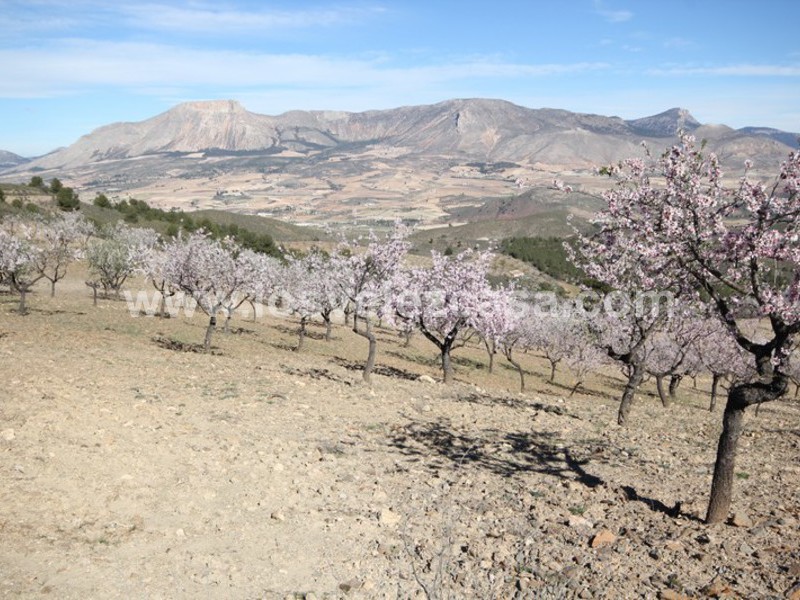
(77, 65)
(215, 19)
(741, 70)
(612, 16)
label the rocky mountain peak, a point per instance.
(665, 124)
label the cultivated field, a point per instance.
(130, 468)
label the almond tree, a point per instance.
(18, 258)
(671, 351)
(59, 244)
(363, 273)
(448, 298)
(734, 249)
(517, 332)
(720, 355)
(117, 256)
(311, 289)
(206, 269)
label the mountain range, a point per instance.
(327, 163)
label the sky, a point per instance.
(70, 66)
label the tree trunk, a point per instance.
(22, 309)
(553, 370)
(674, 382)
(719, 503)
(575, 388)
(227, 328)
(714, 385)
(373, 346)
(490, 351)
(52, 288)
(519, 369)
(94, 295)
(408, 334)
(301, 335)
(162, 308)
(797, 390)
(212, 324)
(447, 366)
(328, 326)
(739, 398)
(634, 381)
(661, 393)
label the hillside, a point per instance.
(134, 469)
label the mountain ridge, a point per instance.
(482, 128)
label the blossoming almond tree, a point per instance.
(363, 273)
(734, 249)
(60, 241)
(18, 257)
(447, 298)
(206, 269)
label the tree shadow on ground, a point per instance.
(507, 454)
(510, 402)
(179, 346)
(384, 370)
(503, 453)
(294, 331)
(314, 373)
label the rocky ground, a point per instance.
(132, 468)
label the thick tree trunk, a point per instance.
(212, 324)
(714, 385)
(739, 398)
(634, 381)
(722, 484)
(447, 365)
(661, 394)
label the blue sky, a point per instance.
(69, 66)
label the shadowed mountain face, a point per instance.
(479, 129)
(9, 159)
(424, 163)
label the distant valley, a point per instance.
(448, 163)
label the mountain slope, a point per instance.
(478, 128)
(9, 159)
